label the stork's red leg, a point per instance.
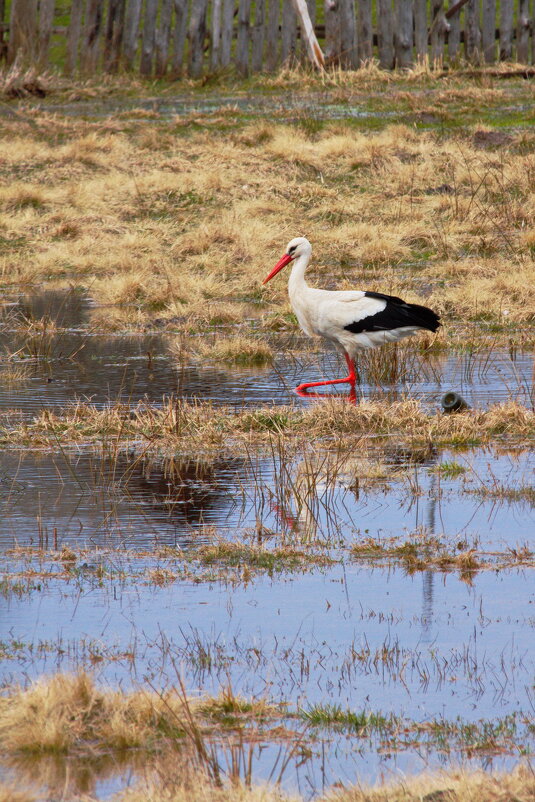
(351, 379)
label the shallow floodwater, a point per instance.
(425, 646)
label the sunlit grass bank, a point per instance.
(169, 221)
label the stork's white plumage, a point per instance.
(352, 320)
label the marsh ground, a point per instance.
(174, 517)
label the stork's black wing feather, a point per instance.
(396, 314)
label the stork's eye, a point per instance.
(291, 250)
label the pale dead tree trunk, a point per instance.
(522, 33)
(314, 51)
(73, 36)
(506, 29)
(365, 35)
(403, 34)
(216, 35)
(131, 33)
(472, 33)
(385, 34)
(488, 34)
(420, 29)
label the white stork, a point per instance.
(352, 319)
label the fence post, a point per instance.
(196, 34)
(385, 33)
(421, 29)
(162, 37)
(272, 35)
(332, 31)
(522, 32)
(73, 36)
(259, 30)
(179, 35)
(289, 33)
(488, 34)
(46, 21)
(454, 36)
(472, 32)
(439, 27)
(22, 29)
(242, 45)
(93, 25)
(506, 29)
(403, 34)
(365, 31)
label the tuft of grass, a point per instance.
(240, 351)
(332, 716)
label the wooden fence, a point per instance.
(196, 37)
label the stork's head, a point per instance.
(299, 246)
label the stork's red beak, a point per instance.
(283, 261)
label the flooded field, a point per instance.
(336, 589)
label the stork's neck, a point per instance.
(297, 283)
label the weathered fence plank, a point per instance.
(258, 36)
(242, 44)
(46, 21)
(92, 31)
(131, 32)
(421, 29)
(403, 34)
(289, 33)
(114, 35)
(365, 32)
(152, 33)
(332, 32)
(472, 32)
(149, 34)
(196, 35)
(454, 35)
(73, 36)
(179, 35)
(523, 31)
(506, 29)
(385, 34)
(22, 29)
(163, 37)
(439, 28)
(272, 35)
(488, 32)
(227, 20)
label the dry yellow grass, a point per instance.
(162, 219)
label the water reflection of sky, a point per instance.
(423, 646)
